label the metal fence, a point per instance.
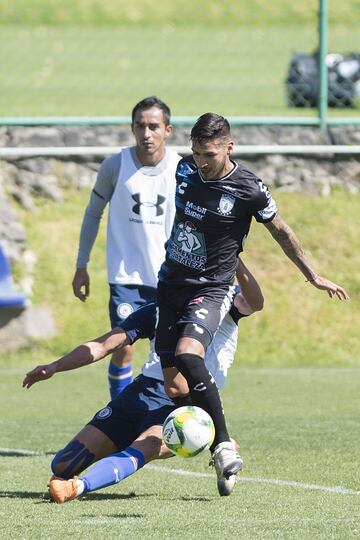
(255, 75)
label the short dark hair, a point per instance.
(149, 102)
(210, 126)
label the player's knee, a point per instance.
(72, 459)
(176, 388)
(58, 466)
(174, 391)
(175, 383)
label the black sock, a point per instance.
(204, 392)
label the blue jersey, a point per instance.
(211, 224)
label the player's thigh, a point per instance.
(119, 420)
(202, 316)
(166, 335)
(150, 443)
(191, 346)
(96, 441)
(155, 408)
(88, 446)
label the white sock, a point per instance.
(80, 487)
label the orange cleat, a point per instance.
(62, 490)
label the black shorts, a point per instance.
(190, 311)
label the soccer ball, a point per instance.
(188, 430)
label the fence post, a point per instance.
(322, 67)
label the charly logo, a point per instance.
(148, 204)
(226, 204)
(124, 310)
(104, 413)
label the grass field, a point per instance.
(104, 71)
(96, 59)
(299, 325)
(292, 399)
(299, 434)
(174, 12)
(298, 426)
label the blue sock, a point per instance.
(119, 378)
(112, 469)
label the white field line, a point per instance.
(288, 483)
(20, 452)
(273, 481)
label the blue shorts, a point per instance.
(141, 323)
(125, 299)
(142, 404)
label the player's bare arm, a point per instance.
(292, 247)
(85, 354)
(250, 298)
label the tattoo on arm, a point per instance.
(290, 244)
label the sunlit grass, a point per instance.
(299, 325)
(103, 71)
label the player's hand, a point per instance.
(40, 373)
(332, 288)
(81, 284)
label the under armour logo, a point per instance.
(146, 204)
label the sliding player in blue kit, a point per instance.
(127, 433)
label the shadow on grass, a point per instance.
(197, 499)
(115, 516)
(115, 496)
(23, 495)
(44, 497)
(23, 453)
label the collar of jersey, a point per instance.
(222, 177)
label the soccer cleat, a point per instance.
(227, 463)
(225, 485)
(62, 490)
